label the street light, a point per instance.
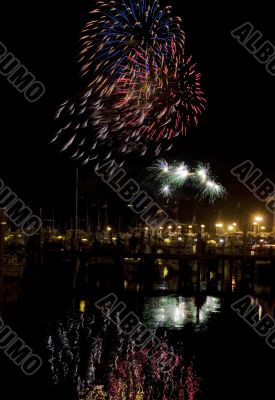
(256, 222)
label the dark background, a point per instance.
(238, 124)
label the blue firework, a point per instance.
(119, 28)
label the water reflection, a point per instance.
(174, 312)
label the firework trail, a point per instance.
(95, 131)
(90, 129)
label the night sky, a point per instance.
(238, 125)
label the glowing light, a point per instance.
(82, 306)
(165, 272)
(230, 228)
(97, 393)
(109, 229)
(202, 226)
(219, 225)
(84, 240)
(260, 312)
(258, 219)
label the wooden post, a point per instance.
(2, 232)
(198, 275)
(231, 274)
(222, 285)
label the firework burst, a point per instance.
(178, 101)
(178, 175)
(120, 27)
(142, 91)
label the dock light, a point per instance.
(258, 219)
(234, 224)
(170, 227)
(84, 240)
(179, 227)
(146, 228)
(109, 229)
(190, 226)
(202, 226)
(161, 227)
(219, 225)
(59, 237)
(263, 228)
(230, 228)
